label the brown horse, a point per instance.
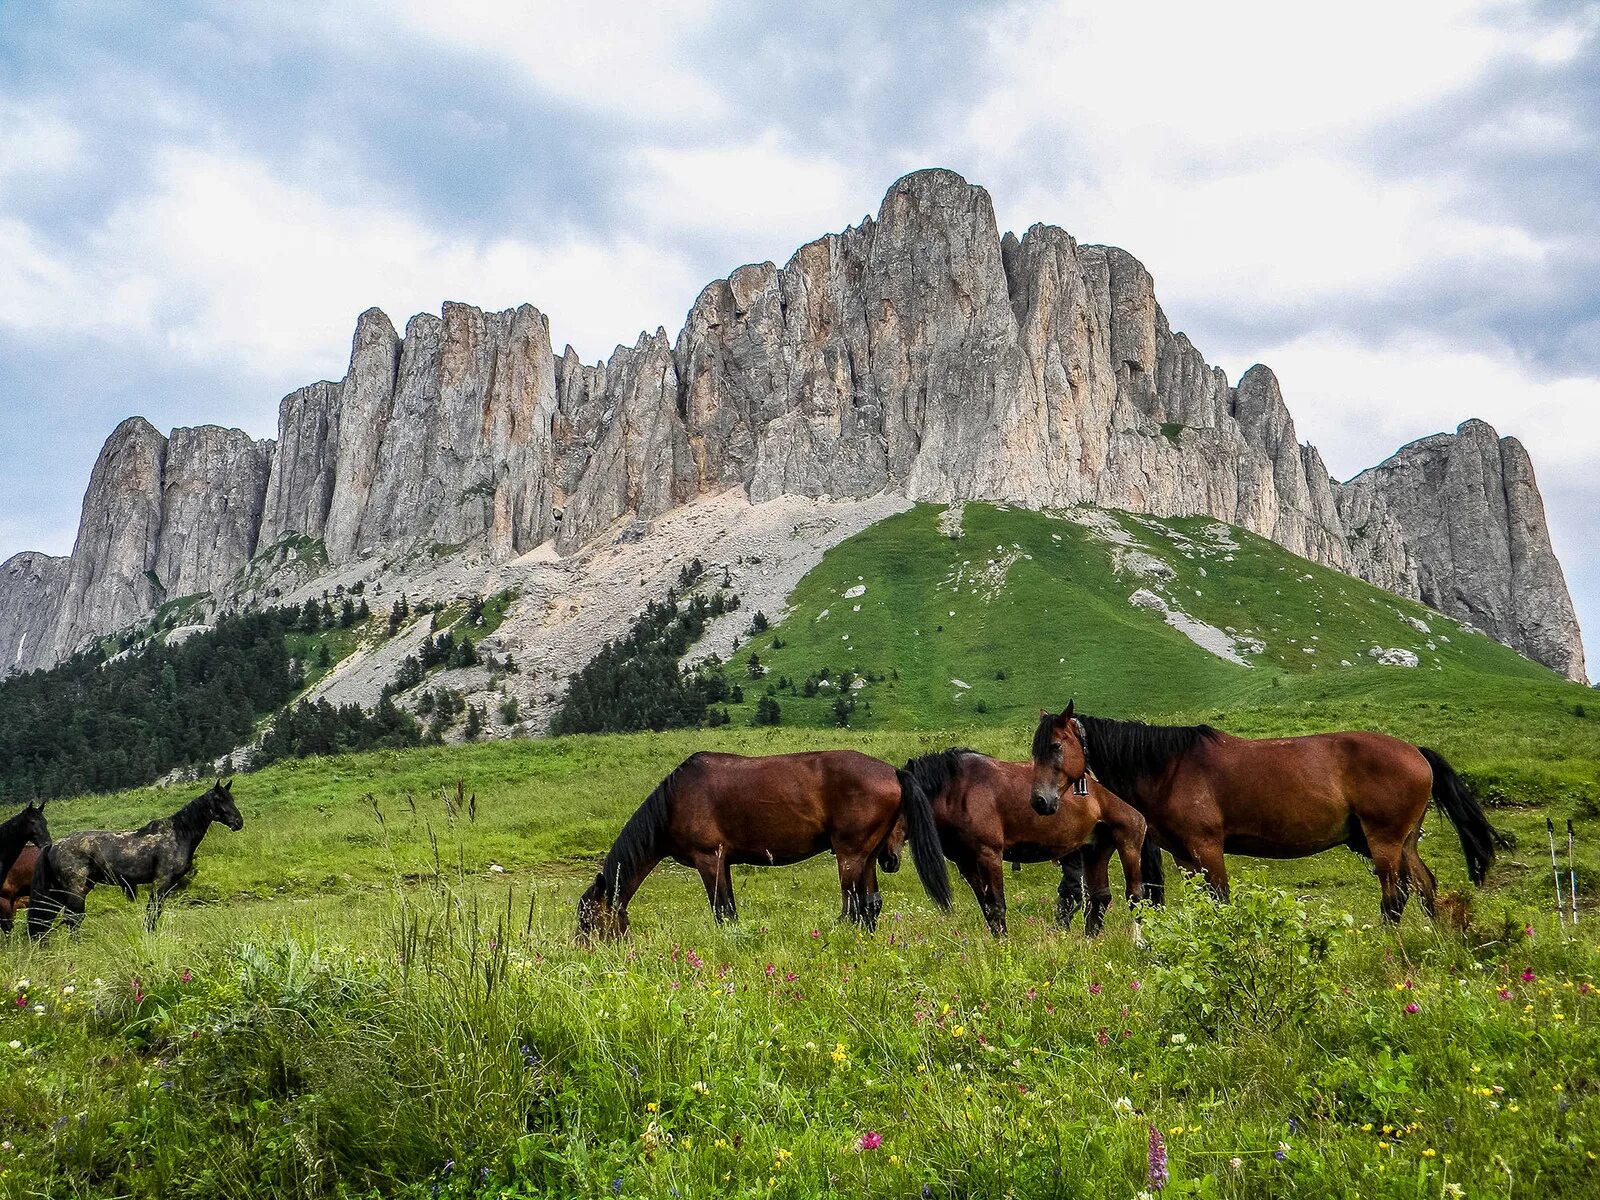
(987, 813)
(14, 888)
(717, 810)
(1206, 793)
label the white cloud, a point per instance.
(35, 144)
(223, 261)
(614, 58)
(739, 191)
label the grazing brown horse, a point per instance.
(16, 833)
(16, 885)
(987, 813)
(716, 810)
(1206, 793)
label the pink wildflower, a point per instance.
(1135, 986)
(1528, 976)
(186, 976)
(816, 933)
(694, 959)
(771, 970)
(1504, 993)
(1412, 1007)
(1094, 989)
(870, 1140)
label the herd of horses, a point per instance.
(1093, 788)
(53, 878)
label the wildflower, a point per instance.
(1282, 1152)
(1528, 976)
(781, 1156)
(1094, 989)
(894, 1160)
(700, 1088)
(1383, 1145)
(1101, 1036)
(38, 1010)
(870, 1140)
(1122, 1104)
(1178, 1039)
(790, 977)
(69, 990)
(958, 1031)
(694, 959)
(1158, 1175)
(186, 977)
(771, 970)
(652, 1107)
(816, 933)
(1430, 1152)
(1134, 986)
(1412, 1007)
(16, 1045)
(616, 1186)
(22, 1002)
(1236, 1163)
(21, 985)
(1504, 993)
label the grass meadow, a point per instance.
(374, 989)
(350, 1000)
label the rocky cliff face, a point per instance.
(1470, 499)
(921, 351)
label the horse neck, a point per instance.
(13, 837)
(1133, 763)
(191, 822)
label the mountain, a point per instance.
(920, 352)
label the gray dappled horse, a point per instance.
(160, 854)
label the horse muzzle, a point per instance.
(1046, 804)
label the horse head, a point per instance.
(597, 920)
(1060, 759)
(893, 847)
(222, 806)
(34, 828)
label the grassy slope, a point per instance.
(313, 1032)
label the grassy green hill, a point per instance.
(1025, 608)
(351, 999)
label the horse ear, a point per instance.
(228, 787)
(1066, 713)
(1046, 715)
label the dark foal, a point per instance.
(160, 854)
(1206, 793)
(16, 835)
(718, 810)
(987, 814)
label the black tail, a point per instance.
(923, 834)
(43, 907)
(640, 838)
(1479, 839)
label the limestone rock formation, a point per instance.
(920, 351)
(30, 596)
(1469, 508)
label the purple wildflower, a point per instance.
(1158, 1160)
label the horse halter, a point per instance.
(1080, 785)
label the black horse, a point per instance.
(160, 854)
(15, 833)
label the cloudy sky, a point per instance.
(1396, 206)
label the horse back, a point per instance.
(782, 806)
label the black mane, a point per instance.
(1120, 753)
(933, 772)
(193, 817)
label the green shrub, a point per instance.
(1255, 963)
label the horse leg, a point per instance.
(858, 887)
(7, 914)
(1099, 861)
(985, 872)
(1417, 876)
(1214, 869)
(1386, 861)
(1069, 896)
(1153, 872)
(714, 873)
